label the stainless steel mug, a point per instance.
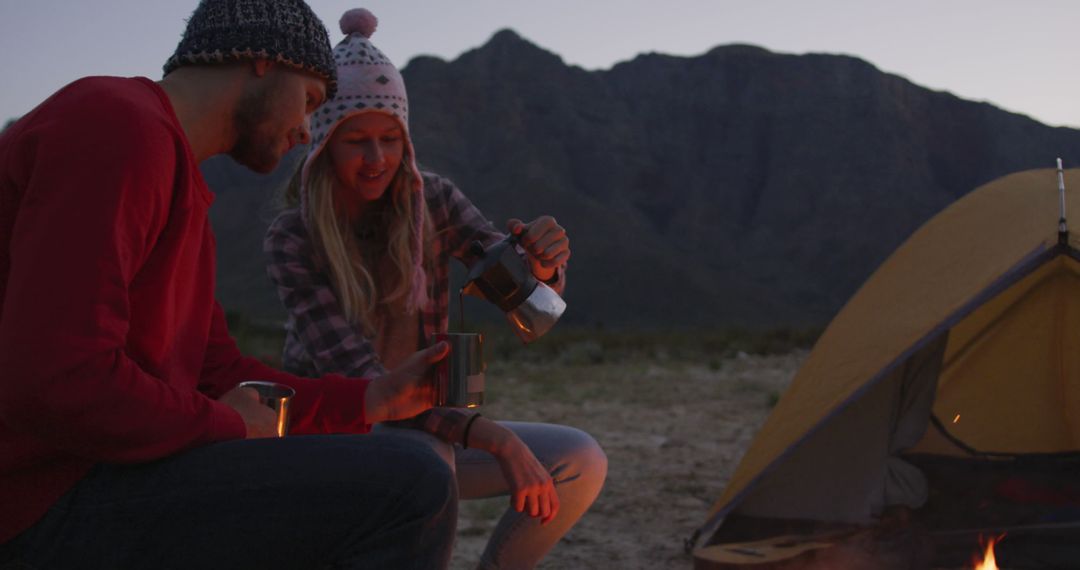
(459, 378)
(275, 396)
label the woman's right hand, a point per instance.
(531, 488)
(406, 390)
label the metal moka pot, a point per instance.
(503, 278)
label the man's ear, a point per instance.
(261, 66)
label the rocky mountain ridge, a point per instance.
(738, 187)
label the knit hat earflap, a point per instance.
(283, 31)
(369, 82)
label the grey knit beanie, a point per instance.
(284, 31)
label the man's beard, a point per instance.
(256, 146)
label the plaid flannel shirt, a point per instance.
(321, 340)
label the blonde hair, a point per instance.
(351, 268)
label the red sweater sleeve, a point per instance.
(332, 404)
(92, 206)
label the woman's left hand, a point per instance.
(546, 243)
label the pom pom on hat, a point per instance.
(358, 20)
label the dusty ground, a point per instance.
(673, 433)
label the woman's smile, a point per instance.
(372, 174)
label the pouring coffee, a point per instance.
(503, 278)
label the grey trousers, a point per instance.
(576, 463)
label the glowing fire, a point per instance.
(988, 562)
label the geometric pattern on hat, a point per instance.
(283, 31)
(367, 81)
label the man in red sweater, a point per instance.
(124, 442)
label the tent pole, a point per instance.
(1016, 529)
(1063, 228)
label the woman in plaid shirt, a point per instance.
(361, 262)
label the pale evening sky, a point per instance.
(1019, 55)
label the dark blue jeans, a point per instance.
(370, 501)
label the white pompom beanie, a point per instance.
(369, 82)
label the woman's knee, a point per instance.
(581, 458)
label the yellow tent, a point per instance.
(972, 323)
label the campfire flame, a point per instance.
(988, 561)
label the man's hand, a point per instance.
(407, 390)
(259, 419)
(546, 243)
